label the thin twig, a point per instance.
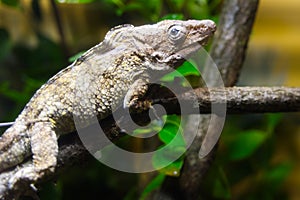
(3, 124)
(60, 29)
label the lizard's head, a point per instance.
(167, 42)
(180, 39)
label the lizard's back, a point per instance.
(91, 86)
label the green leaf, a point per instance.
(169, 160)
(244, 144)
(171, 133)
(198, 9)
(186, 69)
(277, 175)
(10, 93)
(221, 189)
(273, 120)
(166, 135)
(141, 131)
(173, 169)
(172, 119)
(165, 161)
(76, 56)
(132, 7)
(155, 126)
(154, 184)
(5, 44)
(170, 129)
(119, 3)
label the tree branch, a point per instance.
(238, 100)
(241, 100)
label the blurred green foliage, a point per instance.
(173, 141)
(14, 3)
(244, 167)
(156, 10)
(153, 185)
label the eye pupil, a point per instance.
(174, 31)
(177, 33)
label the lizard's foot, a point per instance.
(44, 149)
(140, 105)
(26, 177)
(136, 90)
(23, 178)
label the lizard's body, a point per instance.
(94, 84)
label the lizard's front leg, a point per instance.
(136, 90)
(44, 149)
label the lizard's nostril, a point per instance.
(209, 24)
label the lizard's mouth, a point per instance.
(206, 36)
(204, 40)
(196, 45)
(185, 53)
(192, 48)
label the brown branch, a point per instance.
(231, 40)
(238, 100)
(241, 100)
(69, 155)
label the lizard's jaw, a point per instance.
(186, 52)
(198, 37)
(176, 59)
(204, 40)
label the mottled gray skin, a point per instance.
(116, 70)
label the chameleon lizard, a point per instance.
(114, 71)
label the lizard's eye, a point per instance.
(176, 33)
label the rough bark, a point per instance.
(231, 40)
(239, 100)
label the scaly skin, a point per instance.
(114, 71)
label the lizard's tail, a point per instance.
(14, 148)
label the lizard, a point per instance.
(115, 71)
